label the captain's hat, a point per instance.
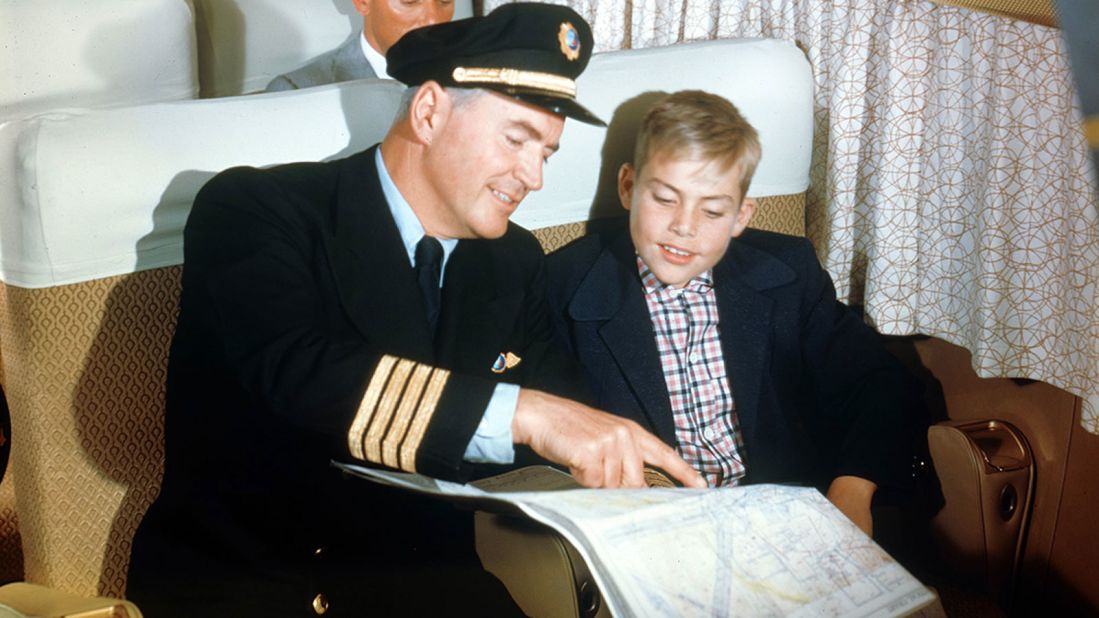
(533, 52)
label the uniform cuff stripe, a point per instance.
(367, 406)
(397, 430)
(423, 416)
(395, 411)
(384, 413)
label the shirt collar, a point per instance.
(408, 224)
(701, 283)
(376, 59)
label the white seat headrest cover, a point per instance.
(107, 192)
(94, 53)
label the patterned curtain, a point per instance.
(951, 187)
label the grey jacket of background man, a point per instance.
(345, 63)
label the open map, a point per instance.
(757, 550)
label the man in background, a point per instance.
(363, 55)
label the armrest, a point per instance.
(43, 602)
(987, 475)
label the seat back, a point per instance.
(90, 246)
(81, 53)
(769, 80)
(244, 44)
(90, 237)
(94, 53)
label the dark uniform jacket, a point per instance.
(302, 338)
(816, 394)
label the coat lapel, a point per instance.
(611, 293)
(349, 63)
(745, 316)
(370, 266)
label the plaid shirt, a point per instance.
(707, 432)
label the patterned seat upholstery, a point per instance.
(89, 361)
(87, 309)
(48, 66)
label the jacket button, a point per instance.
(320, 604)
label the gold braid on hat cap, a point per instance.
(547, 82)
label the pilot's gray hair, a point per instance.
(460, 97)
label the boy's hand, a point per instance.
(600, 449)
(852, 496)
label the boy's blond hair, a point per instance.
(699, 125)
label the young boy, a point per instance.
(729, 342)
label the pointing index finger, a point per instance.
(662, 456)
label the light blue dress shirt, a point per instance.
(491, 443)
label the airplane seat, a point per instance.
(22, 600)
(90, 252)
(69, 54)
(243, 45)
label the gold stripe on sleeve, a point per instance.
(400, 423)
(367, 405)
(386, 407)
(424, 413)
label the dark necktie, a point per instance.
(429, 262)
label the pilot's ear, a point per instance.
(429, 111)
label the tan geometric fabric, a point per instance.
(86, 365)
(781, 213)
(11, 548)
(777, 213)
(557, 236)
(1038, 11)
(951, 190)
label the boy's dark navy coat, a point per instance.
(816, 394)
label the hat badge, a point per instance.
(570, 40)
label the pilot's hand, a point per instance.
(852, 496)
(600, 449)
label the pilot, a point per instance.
(363, 54)
(378, 309)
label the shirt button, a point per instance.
(709, 433)
(693, 358)
(320, 604)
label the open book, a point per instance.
(757, 550)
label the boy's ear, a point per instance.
(744, 215)
(625, 185)
(428, 111)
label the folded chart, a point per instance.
(757, 550)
